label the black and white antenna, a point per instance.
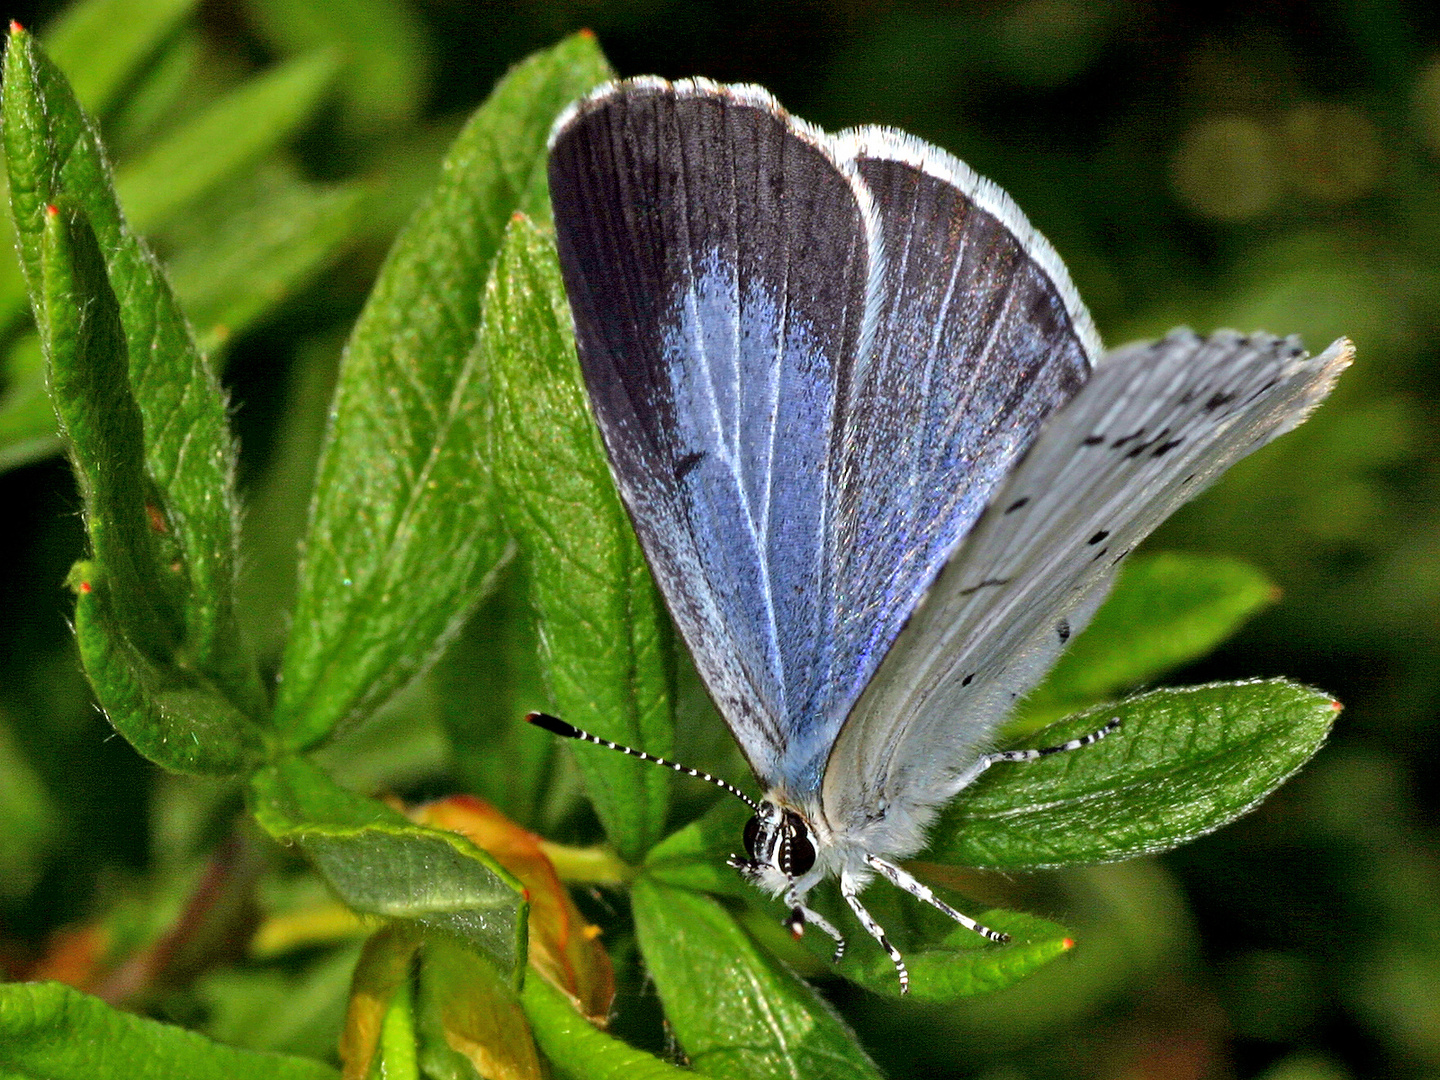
(559, 727)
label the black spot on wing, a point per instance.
(1092, 440)
(686, 465)
(1217, 400)
(986, 584)
(1101, 535)
(1062, 630)
(968, 679)
(1140, 447)
(1017, 504)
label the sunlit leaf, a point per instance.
(564, 947)
(48, 1030)
(602, 627)
(1181, 764)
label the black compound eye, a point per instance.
(751, 834)
(801, 852)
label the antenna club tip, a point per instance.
(553, 724)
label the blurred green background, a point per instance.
(1263, 166)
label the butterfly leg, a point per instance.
(970, 775)
(800, 915)
(851, 892)
(903, 879)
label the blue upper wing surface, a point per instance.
(716, 263)
(811, 359)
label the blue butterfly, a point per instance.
(880, 465)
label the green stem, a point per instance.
(588, 865)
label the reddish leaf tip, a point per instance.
(1336, 706)
(15, 27)
(84, 586)
(1067, 943)
(51, 210)
(586, 33)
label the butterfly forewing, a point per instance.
(1155, 424)
(717, 261)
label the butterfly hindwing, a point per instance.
(1154, 426)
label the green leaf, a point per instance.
(380, 863)
(398, 1057)
(379, 1031)
(27, 420)
(403, 537)
(278, 502)
(384, 80)
(51, 1031)
(171, 88)
(102, 44)
(946, 961)
(128, 599)
(1166, 610)
(694, 857)
(100, 423)
(53, 155)
(578, 1049)
(254, 257)
(1183, 763)
(734, 1008)
(486, 682)
(602, 625)
(13, 295)
(468, 1014)
(161, 710)
(228, 137)
(29, 820)
(287, 1008)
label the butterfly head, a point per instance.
(780, 846)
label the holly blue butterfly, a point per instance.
(880, 464)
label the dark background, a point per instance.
(1259, 165)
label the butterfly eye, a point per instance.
(751, 834)
(801, 851)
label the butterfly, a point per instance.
(878, 461)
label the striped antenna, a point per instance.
(559, 727)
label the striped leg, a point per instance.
(970, 775)
(851, 892)
(902, 879)
(800, 915)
